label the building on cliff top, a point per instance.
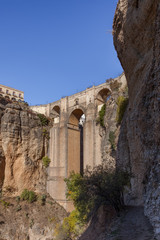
(11, 93)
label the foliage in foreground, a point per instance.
(88, 192)
(96, 187)
(122, 103)
(70, 228)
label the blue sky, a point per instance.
(55, 48)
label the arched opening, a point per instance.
(75, 141)
(102, 97)
(55, 114)
(13, 99)
(7, 97)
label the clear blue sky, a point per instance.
(55, 48)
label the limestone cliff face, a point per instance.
(136, 31)
(118, 88)
(22, 146)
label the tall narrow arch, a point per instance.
(103, 95)
(55, 114)
(75, 141)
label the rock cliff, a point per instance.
(110, 131)
(136, 31)
(22, 146)
(20, 220)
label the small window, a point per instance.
(0, 89)
(7, 91)
(13, 93)
(76, 101)
(20, 95)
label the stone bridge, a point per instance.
(75, 141)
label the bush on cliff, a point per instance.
(29, 196)
(122, 103)
(71, 227)
(44, 120)
(46, 161)
(96, 187)
(111, 139)
(101, 115)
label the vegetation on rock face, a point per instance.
(112, 139)
(122, 103)
(96, 187)
(42, 199)
(101, 115)
(46, 133)
(44, 120)
(46, 161)
(29, 196)
(4, 203)
(71, 227)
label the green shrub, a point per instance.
(46, 133)
(98, 186)
(32, 197)
(101, 115)
(122, 103)
(44, 120)
(71, 227)
(112, 139)
(46, 161)
(42, 199)
(5, 204)
(77, 192)
(29, 196)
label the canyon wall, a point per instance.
(136, 31)
(22, 146)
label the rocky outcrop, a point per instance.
(22, 146)
(110, 131)
(136, 31)
(21, 220)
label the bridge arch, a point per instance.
(103, 95)
(75, 140)
(55, 113)
(79, 109)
